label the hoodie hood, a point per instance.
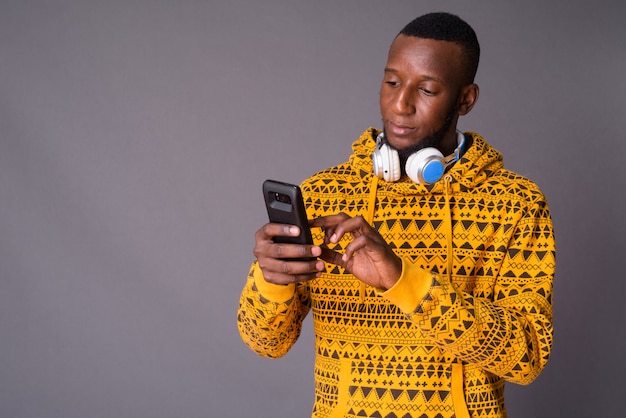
(475, 166)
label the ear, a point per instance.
(467, 98)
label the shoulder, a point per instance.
(514, 184)
(349, 176)
(497, 181)
(333, 180)
(515, 194)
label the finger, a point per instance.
(291, 251)
(291, 266)
(332, 257)
(328, 232)
(357, 244)
(283, 271)
(327, 224)
(328, 221)
(271, 230)
(355, 226)
(277, 278)
(330, 224)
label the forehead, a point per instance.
(419, 57)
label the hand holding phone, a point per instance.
(285, 205)
(284, 257)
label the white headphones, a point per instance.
(426, 166)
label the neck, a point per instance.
(449, 142)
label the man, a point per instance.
(433, 282)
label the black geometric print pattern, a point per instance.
(485, 321)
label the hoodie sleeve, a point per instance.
(270, 316)
(509, 333)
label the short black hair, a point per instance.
(444, 26)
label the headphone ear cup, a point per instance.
(386, 163)
(426, 166)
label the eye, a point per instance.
(427, 92)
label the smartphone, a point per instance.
(285, 205)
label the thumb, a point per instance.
(332, 257)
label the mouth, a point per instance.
(399, 129)
(399, 135)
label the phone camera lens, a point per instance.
(283, 198)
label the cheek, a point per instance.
(385, 101)
(435, 110)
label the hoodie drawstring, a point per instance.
(448, 223)
(457, 367)
(371, 201)
(369, 218)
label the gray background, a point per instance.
(134, 138)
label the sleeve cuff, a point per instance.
(277, 293)
(412, 286)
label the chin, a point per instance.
(405, 144)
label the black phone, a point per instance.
(285, 205)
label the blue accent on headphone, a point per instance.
(433, 171)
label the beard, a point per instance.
(432, 140)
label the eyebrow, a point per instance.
(426, 76)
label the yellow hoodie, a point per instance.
(472, 309)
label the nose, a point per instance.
(404, 102)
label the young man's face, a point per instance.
(420, 92)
